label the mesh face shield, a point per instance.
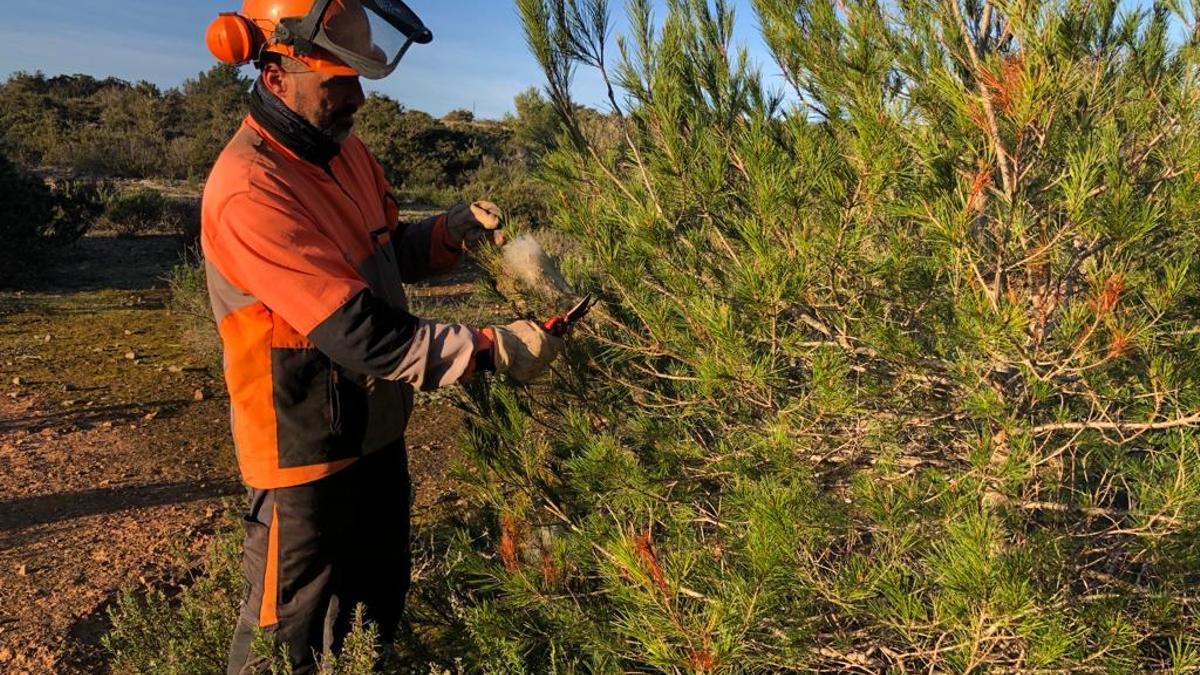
(370, 36)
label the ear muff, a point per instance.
(231, 39)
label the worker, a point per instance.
(305, 258)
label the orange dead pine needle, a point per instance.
(980, 182)
(1118, 345)
(994, 89)
(1109, 296)
(509, 533)
(978, 116)
(1002, 87)
(702, 660)
(550, 572)
(645, 553)
(1012, 75)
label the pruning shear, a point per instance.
(559, 326)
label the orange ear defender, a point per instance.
(230, 38)
(324, 35)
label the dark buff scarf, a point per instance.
(290, 129)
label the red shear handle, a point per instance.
(557, 326)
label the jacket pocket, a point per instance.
(311, 418)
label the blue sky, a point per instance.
(478, 59)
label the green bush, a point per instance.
(26, 208)
(137, 212)
(188, 627)
(460, 116)
(205, 112)
(435, 162)
(897, 374)
(78, 204)
(127, 138)
(189, 299)
(510, 185)
(182, 215)
(187, 632)
(36, 221)
(114, 128)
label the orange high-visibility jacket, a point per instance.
(304, 272)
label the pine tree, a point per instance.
(895, 369)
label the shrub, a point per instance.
(511, 187)
(427, 161)
(206, 111)
(186, 632)
(37, 221)
(188, 628)
(189, 299)
(138, 212)
(535, 126)
(898, 374)
(77, 206)
(127, 138)
(460, 116)
(182, 215)
(26, 208)
(189, 631)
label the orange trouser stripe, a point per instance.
(266, 612)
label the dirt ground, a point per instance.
(115, 453)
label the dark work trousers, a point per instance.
(313, 552)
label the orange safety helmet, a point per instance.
(338, 37)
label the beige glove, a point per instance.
(524, 350)
(470, 225)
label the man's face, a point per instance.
(327, 101)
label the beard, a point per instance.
(339, 129)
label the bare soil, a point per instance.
(115, 453)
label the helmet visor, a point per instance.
(370, 36)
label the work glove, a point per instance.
(524, 350)
(468, 226)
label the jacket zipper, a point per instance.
(335, 400)
(377, 234)
(362, 217)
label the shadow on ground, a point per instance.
(42, 509)
(96, 263)
(92, 416)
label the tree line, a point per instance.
(114, 128)
(64, 140)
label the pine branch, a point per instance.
(1100, 425)
(993, 130)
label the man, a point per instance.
(305, 259)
